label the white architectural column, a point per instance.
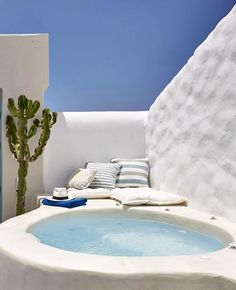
(23, 70)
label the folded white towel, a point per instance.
(89, 193)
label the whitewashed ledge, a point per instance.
(26, 264)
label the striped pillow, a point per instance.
(133, 172)
(106, 174)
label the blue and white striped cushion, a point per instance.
(133, 172)
(106, 174)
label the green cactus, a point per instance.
(18, 135)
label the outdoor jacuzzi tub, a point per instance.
(27, 264)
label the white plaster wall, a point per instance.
(79, 137)
(191, 127)
(23, 70)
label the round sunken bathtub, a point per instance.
(31, 257)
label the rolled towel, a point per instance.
(65, 203)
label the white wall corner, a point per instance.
(24, 69)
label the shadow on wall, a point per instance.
(80, 137)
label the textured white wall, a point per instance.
(79, 137)
(23, 70)
(191, 127)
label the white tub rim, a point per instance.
(24, 248)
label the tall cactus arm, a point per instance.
(12, 137)
(22, 106)
(54, 118)
(29, 105)
(51, 120)
(27, 108)
(32, 131)
(41, 144)
(24, 151)
(33, 110)
(12, 107)
(48, 120)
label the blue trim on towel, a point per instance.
(65, 203)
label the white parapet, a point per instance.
(191, 127)
(80, 137)
(23, 70)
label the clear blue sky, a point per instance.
(113, 54)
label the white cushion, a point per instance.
(81, 178)
(146, 196)
(89, 193)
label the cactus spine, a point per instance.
(18, 136)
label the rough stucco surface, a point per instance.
(191, 127)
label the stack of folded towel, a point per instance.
(60, 198)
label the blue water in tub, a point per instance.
(122, 236)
